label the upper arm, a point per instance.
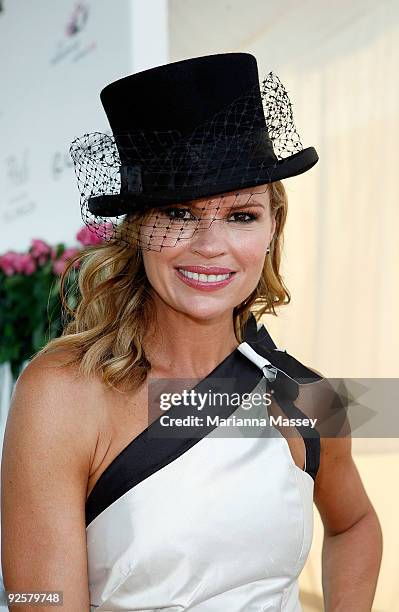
(47, 450)
(339, 495)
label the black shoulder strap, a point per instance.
(255, 336)
(311, 437)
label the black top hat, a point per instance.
(186, 130)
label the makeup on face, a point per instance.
(205, 278)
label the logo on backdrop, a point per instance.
(61, 161)
(17, 170)
(78, 19)
(17, 173)
(73, 46)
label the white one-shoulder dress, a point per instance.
(217, 518)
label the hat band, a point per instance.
(193, 170)
(131, 179)
(135, 181)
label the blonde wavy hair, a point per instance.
(104, 333)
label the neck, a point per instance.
(182, 346)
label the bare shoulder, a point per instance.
(54, 400)
(56, 374)
(55, 365)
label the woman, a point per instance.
(121, 504)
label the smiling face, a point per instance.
(217, 266)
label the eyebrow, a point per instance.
(253, 204)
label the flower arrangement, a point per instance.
(30, 302)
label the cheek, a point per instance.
(250, 250)
(253, 267)
(158, 266)
(154, 265)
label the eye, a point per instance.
(177, 214)
(252, 217)
(184, 214)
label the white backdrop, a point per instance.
(339, 62)
(55, 57)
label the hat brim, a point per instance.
(121, 204)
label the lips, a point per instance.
(203, 281)
(205, 269)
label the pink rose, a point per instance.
(40, 249)
(42, 260)
(27, 264)
(69, 253)
(7, 263)
(60, 264)
(89, 237)
(17, 263)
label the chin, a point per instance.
(206, 311)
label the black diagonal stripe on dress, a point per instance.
(146, 453)
(151, 449)
(286, 390)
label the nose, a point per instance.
(210, 241)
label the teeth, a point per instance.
(205, 278)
